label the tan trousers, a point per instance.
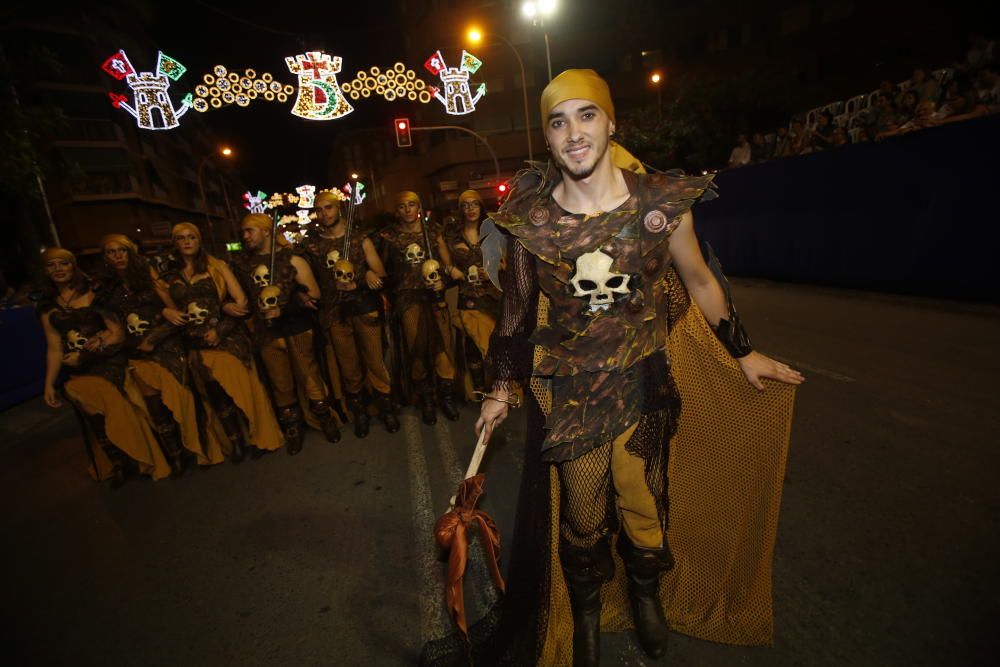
(363, 334)
(290, 359)
(587, 501)
(425, 338)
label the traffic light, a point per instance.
(402, 127)
(501, 191)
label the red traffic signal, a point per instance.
(502, 191)
(402, 127)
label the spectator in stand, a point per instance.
(799, 138)
(781, 143)
(760, 149)
(962, 108)
(740, 156)
(822, 134)
(987, 85)
(926, 87)
(924, 118)
(908, 107)
(839, 137)
(883, 118)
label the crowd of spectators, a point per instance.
(966, 90)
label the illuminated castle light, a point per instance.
(152, 107)
(320, 96)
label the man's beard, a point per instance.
(579, 172)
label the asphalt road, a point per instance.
(886, 554)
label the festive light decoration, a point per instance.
(360, 195)
(303, 218)
(457, 98)
(256, 203)
(395, 83)
(222, 88)
(307, 195)
(153, 108)
(320, 97)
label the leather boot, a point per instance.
(168, 434)
(120, 468)
(585, 569)
(229, 417)
(478, 374)
(327, 419)
(387, 411)
(427, 408)
(290, 420)
(446, 399)
(643, 568)
(359, 414)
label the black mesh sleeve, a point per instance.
(510, 347)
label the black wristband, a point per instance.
(733, 336)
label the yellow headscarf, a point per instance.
(58, 253)
(121, 240)
(329, 197)
(470, 195)
(586, 84)
(406, 196)
(258, 221)
(185, 227)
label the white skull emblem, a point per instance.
(261, 276)
(136, 325)
(268, 298)
(414, 254)
(432, 273)
(474, 276)
(594, 279)
(196, 315)
(74, 341)
(332, 258)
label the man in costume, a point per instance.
(419, 264)
(478, 298)
(350, 309)
(282, 294)
(600, 264)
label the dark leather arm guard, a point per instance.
(730, 332)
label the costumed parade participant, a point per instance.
(283, 294)
(86, 340)
(209, 303)
(613, 320)
(156, 355)
(350, 309)
(478, 298)
(418, 262)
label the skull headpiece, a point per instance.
(261, 276)
(414, 254)
(474, 276)
(74, 341)
(136, 325)
(332, 258)
(594, 279)
(432, 273)
(196, 315)
(268, 298)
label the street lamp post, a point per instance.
(227, 152)
(656, 78)
(538, 11)
(475, 36)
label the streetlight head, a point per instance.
(547, 7)
(475, 35)
(529, 9)
(227, 151)
(354, 177)
(655, 78)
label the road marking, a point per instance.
(434, 621)
(798, 365)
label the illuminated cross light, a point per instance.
(221, 88)
(320, 96)
(307, 195)
(457, 96)
(395, 83)
(152, 108)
